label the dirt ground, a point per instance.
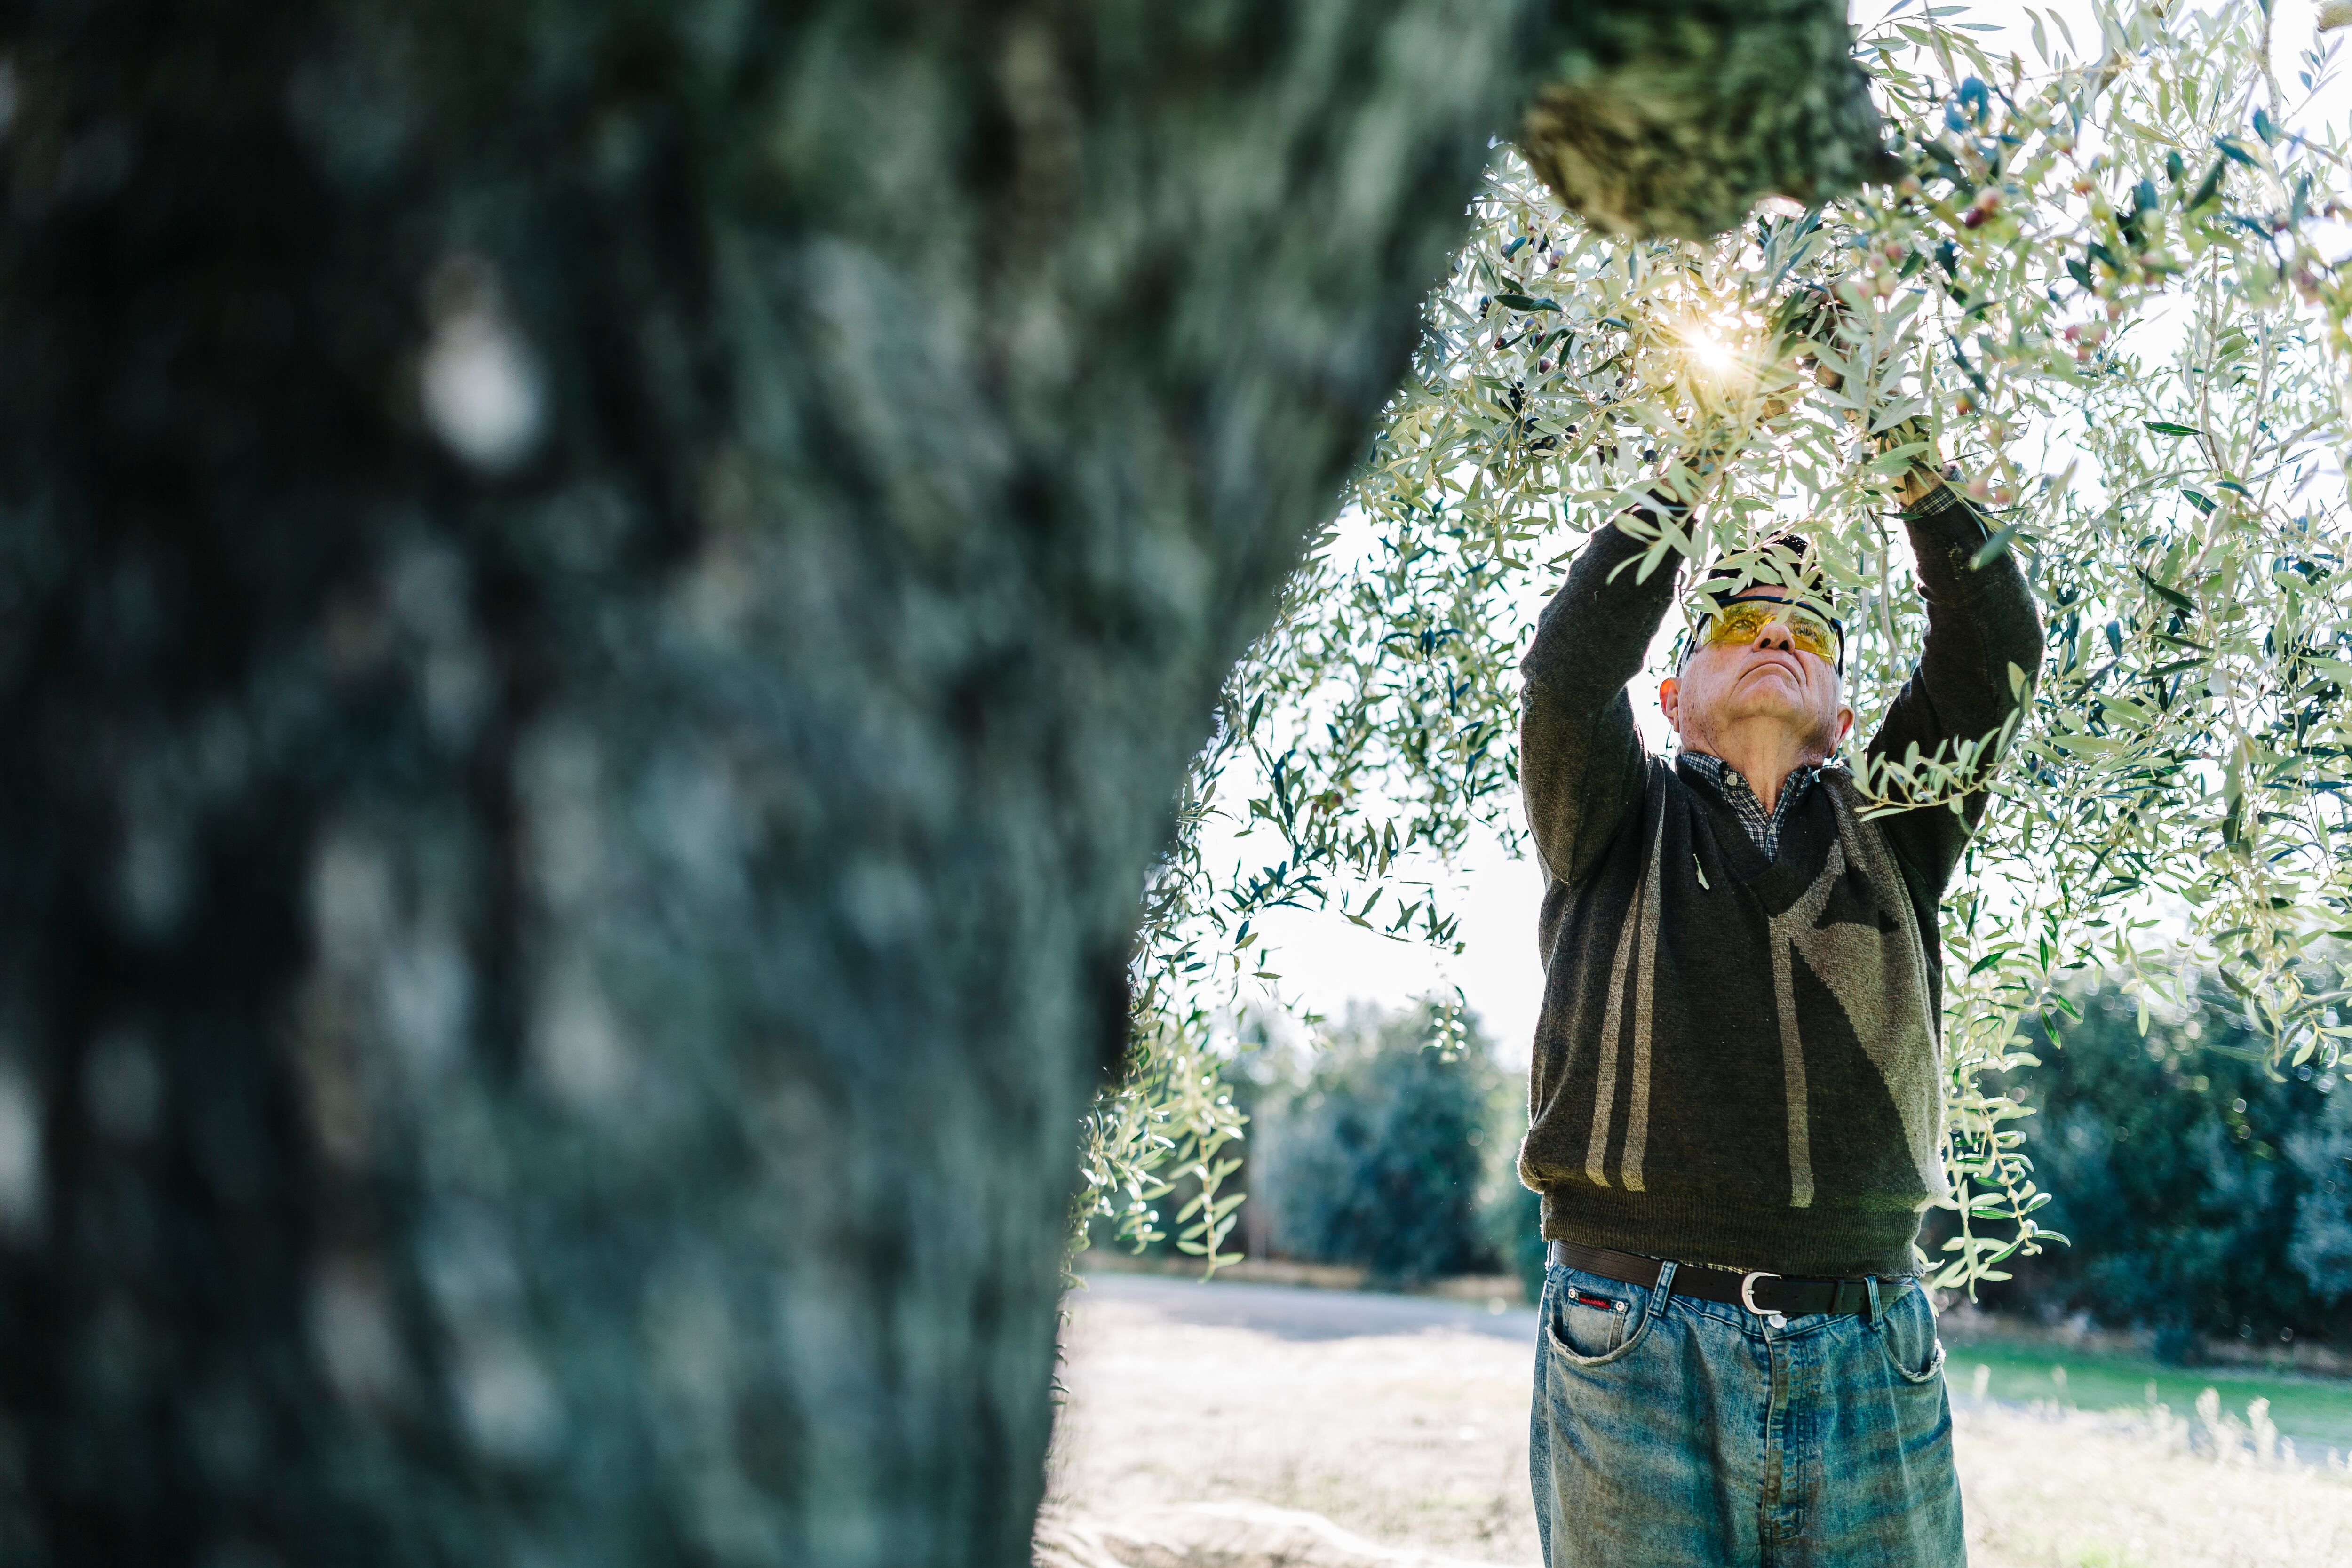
(1405, 1420)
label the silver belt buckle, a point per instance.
(1747, 1297)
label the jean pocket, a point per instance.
(1908, 1337)
(1589, 1319)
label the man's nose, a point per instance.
(1773, 635)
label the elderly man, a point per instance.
(1735, 1115)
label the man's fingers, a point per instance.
(1816, 322)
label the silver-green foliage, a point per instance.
(2106, 293)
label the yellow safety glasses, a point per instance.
(1743, 620)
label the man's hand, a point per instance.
(1811, 318)
(1724, 425)
(1920, 480)
(1816, 315)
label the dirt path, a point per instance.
(1405, 1420)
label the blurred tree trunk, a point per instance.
(600, 605)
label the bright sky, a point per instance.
(1326, 962)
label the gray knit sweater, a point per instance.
(1738, 1061)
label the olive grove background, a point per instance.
(2206, 1192)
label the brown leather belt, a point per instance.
(1772, 1295)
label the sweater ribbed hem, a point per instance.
(1728, 1233)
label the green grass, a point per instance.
(2316, 1411)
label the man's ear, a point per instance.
(1670, 698)
(1845, 725)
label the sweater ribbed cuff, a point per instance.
(1947, 507)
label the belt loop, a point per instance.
(1664, 1288)
(1870, 1313)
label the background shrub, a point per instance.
(1379, 1157)
(2205, 1192)
(2321, 1248)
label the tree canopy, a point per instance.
(2104, 287)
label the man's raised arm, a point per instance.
(1980, 621)
(1580, 758)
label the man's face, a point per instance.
(1766, 679)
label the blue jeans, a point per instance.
(1669, 1431)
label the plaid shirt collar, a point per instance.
(1763, 826)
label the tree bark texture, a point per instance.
(600, 608)
(1673, 118)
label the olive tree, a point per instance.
(2111, 289)
(604, 603)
